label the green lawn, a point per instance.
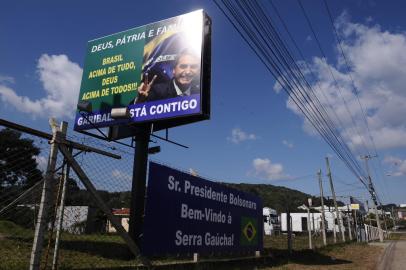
(103, 250)
(77, 251)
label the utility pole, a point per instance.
(323, 224)
(289, 229)
(349, 223)
(393, 219)
(384, 218)
(339, 217)
(309, 225)
(356, 225)
(373, 196)
(370, 221)
(334, 227)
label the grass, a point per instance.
(109, 251)
(77, 251)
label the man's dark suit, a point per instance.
(167, 90)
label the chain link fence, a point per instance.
(86, 239)
(83, 237)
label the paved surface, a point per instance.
(394, 257)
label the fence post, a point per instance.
(65, 180)
(323, 224)
(100, 203)
(46, 198)
(334, 227)
(289, 229)
(309, 228)
(366, 233)
(349, 219)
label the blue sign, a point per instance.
(188, 214)
(149, 111)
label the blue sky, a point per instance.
(254, 134)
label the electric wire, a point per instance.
(356, 93)
(354, 127)
(310, 70)
(278, 61)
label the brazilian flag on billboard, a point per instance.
(249, 231)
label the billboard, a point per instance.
(159, 71)
(357, 205)
(187, 214)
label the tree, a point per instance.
(18, 166)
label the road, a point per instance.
(394, 257)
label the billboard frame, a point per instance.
(131, 129)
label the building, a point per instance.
(123, 215)
(299, 221)
(271, 221)
(81, 219)
(402, 214)
(76, 219)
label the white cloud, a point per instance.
(397, 165)
(238, 135)
(42, 162)
(264, 168)
(377, 61)
(121, 175)
(6, 79)
(288, 144)
(61, 81)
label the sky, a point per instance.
(255, 133)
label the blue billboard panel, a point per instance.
(188, 214)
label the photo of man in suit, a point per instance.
(185, 81)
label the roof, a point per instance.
(121, 212)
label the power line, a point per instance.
(356, 91)
(256, 28)
(332, 74)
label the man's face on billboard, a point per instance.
(186, 70)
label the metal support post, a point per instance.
(65, 179)
(349, 223)
(138, 183)
(289, 229)
(393, 219)
(46, 197)
(357, 234)
(309, 228)
(100, 203)
(338, 214)
(334, 228)
(323, 219)
(374, 200)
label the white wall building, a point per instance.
(299, 222)
(271, 221)
(74, 219)
(123, 215)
